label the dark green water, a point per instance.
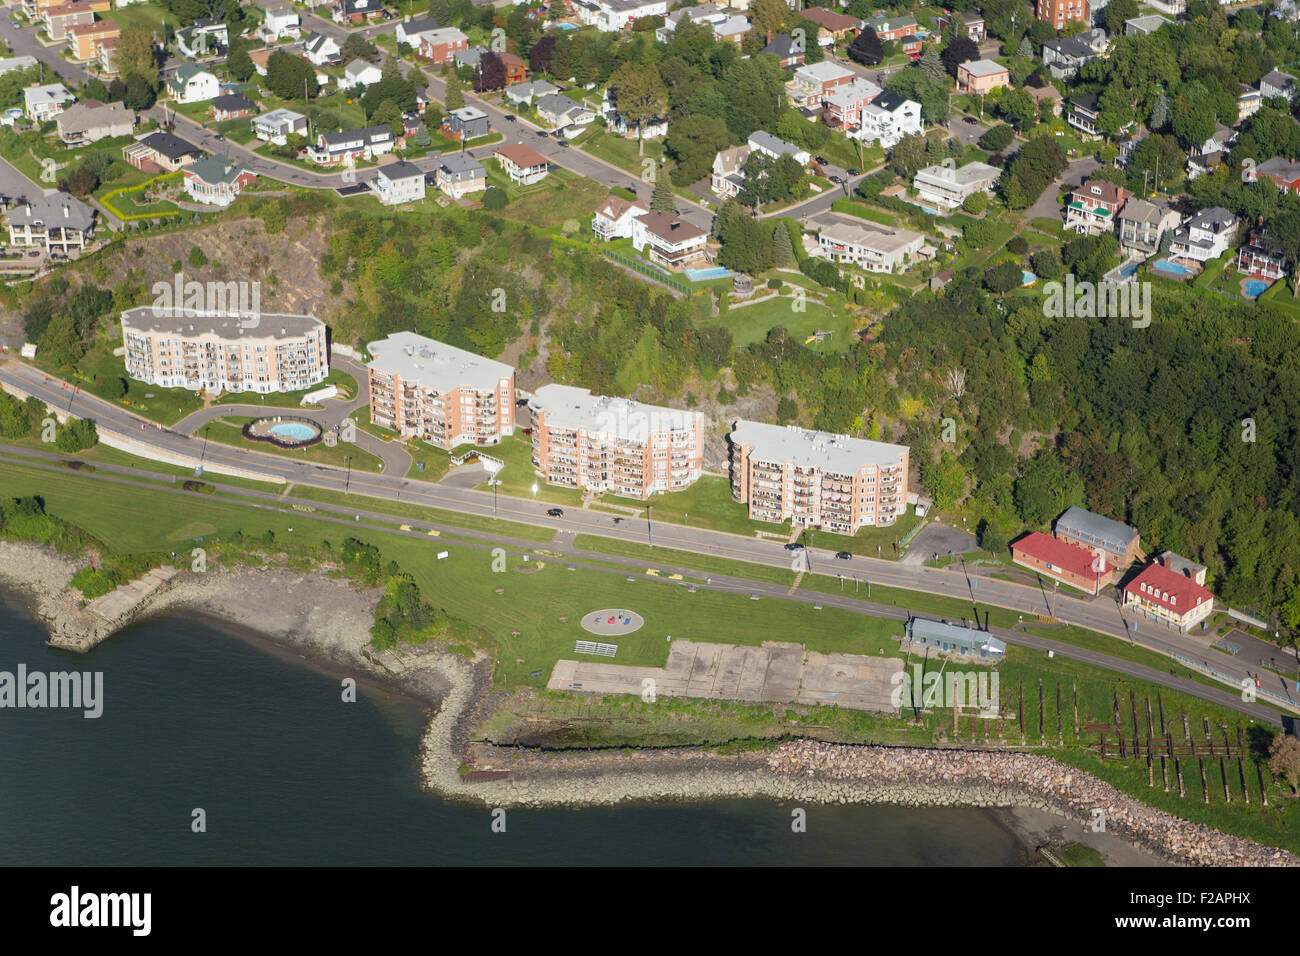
(198, 716)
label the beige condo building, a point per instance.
(228, 351)
(441, 394)
(815, 479)
(602, 444)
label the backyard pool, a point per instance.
(1253, 288)
(1129, 269)
(1027, 278)
(294, 431)
(1171, 268)
(703, 275)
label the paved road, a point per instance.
(1046, 206)
(360, 516)
(961, 581)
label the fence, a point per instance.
(1218, 675)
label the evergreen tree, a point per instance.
(1160, 113)
(782, 250)
(1026, 49)
(931, 66)
(455, 96)
(663, 198)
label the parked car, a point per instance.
(854, 172)
(510, 117)
(521, 402)
(555, 512)
(843, 555)
(564, 143)
(836, 179)
(970, 119)
(541, 132)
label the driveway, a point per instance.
(1047, 207)
(940, 539)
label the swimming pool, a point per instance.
(1027, 278)
(1253, 288)
(1171, 268)
(294, 431)
(1129, 269)
(701, 275)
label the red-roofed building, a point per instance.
(523, 164)
(1062, 561)
(1174, 598)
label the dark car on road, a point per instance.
(794, 546)
(969, 119)
(564, 143)
(854, 172)
(541, 132)
(510, 117)
(555, 512)
(843, 555)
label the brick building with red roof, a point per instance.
(1174, 598)
(1062, 561)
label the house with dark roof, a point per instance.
(1082, 115)
(460, 174)
(330, 149)
(668, 240)
(56, 222)
(1093, 207)
(160, 150)
(1065, 56)
(398, 183)
(1277, 85)
(1205, 236)
(231, 106)
(788, 53)
(1142, 225)
(1285, 173)
(1260, 258)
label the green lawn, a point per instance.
(347, 386)
(705, 504)
(751, 323)
(99, 369)
(518, 476)
(436, 461)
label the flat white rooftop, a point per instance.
(572, 408)
(227, 324)
(806, 448)
(436, 366)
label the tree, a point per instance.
(95, 90)
(976, 203)
(539, 57)
(1284, 758)
(140, 93)
(288, 77)
(639, 96)
(1116, 12)
(663, 198)
(135, 54)
(416, 78)
(992, 538)
(76, 435)
(768, 17)
(961, 50)
(454, 98)
(1026, 49)
(782, 248)
(240, 64)
(80, 182)
(1160, 113)
(997, 137)
(930, 66)
(389, 114)
(692, 143)
(908, 156)
(812, 51)
(357, 47)
(491, 73)
(494, 199)
(866, 48)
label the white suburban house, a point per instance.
(41, 103)
(359, 73)
(460, 174)
(192, 84)
(557, 111)
(410, 30)
(611, 16)
(91, 120)
(330, 149)
(523, 164)
(398, 183)
(775, 147)
(874, 247)
(1278, 84)
(1205, 236)
(668, 240)
(320, 49)
(615, 216)
(1065, 56)
(523, 94)
(280, 23)
(887, 119)
(277, 125)
(216, 181)
(728, 175)
(946, 187)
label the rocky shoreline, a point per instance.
(330, 619)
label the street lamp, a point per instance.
(494, 483)
(347, 476)
(649, 525)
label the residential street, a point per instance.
(1101, 614)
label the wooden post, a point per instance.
(1205, 786)
(1161, 704)
(1020, 706)
(1223, 772)
(1186, 730)
(1149, 730)
(1040, 710)
(1178, 769)
(1151, 780)
(1164, 772)
(1263, 793)
(1133, 713)
(1074, 692)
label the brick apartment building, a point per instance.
(1114, 539)
(815, 479)
(446, 396)
(602, 444)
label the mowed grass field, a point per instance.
(524, 620)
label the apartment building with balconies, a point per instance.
(224, 350)
(815, 479)
(614, 445)
(438, 393)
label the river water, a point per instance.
(199, 717)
